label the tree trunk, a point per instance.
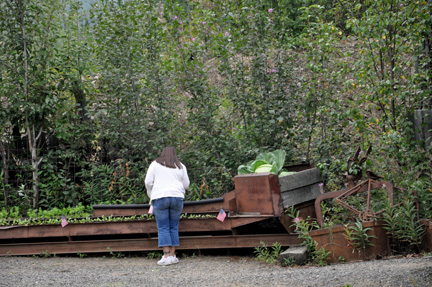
(81, 102)
(4, 154)
(35, 161)
(30, 128)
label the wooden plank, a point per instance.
(147, 244)
(300, 179)
(300, 195)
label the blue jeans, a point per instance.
(167, 211)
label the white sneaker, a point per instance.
(165, 261)
(174, 259)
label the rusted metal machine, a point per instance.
(341, 195)
(354, 166)
(255, 214)
(367, 214)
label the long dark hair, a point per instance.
(169, 158)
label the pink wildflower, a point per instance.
(297, 219)
(270, 10)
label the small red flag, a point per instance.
(221, 216)
(64, 221)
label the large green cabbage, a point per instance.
(272, 162)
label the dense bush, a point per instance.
(91, 96)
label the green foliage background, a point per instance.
(110, 85)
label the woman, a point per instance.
(166, 182)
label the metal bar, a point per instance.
(124, 227)
(351, 191)
(213, 207)
(322, 197)
(202, 206)
(368, 196)
(147, 244)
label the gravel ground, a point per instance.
(205, 270)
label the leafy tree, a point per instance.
(31, 28)
(134, 96)
(384, 70)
